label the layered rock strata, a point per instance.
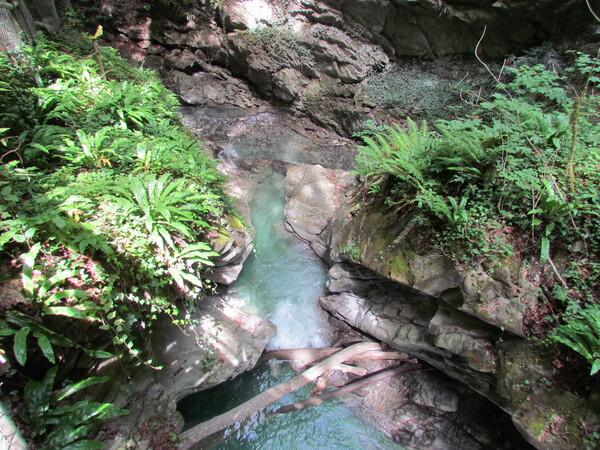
(322, 58)
(467, 321)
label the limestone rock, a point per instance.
(313, 194)
(279, 48)
(204, 88)
(234, 245)
(225, 343)
(466, 337)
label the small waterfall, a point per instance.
(281, 280)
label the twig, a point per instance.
(564, 283)
(587, 2)
(481, 60)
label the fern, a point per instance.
(64, 425)
(582, 334)
(397, 152)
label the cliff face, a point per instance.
(322, 57)
(467, 320)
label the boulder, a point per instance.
(206, 88)
(224, 343)
(233, 243)
(313, 194)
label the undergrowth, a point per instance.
(106, 205)
(411, 91)
(520, 175)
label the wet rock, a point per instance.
(234, 245)
(205, 88)
(433, 395)
(225, 343)
(425, 409)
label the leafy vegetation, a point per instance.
(64, 425)
(282, 41)
(519, 175)
(106, 205)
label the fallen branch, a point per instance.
(307, 356)
(350, 387)
(360, 371)
(303, 355)
(195, 434)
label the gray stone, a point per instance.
(313, 195)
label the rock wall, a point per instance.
(386, 281)
(318, 56)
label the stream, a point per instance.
(281, 281)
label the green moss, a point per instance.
(399, 268)
(222, 239)
(235, 222)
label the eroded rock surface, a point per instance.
(318, 56)
(313, 194)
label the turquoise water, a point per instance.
(281, 281)
(331, 425)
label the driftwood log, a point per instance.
(194, 435)
(307, 356)
(348, 388)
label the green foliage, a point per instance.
(525, 164)
(21, 327)
(402, 154)
(106, 204)
(581, 332)
(283, 44)
(351, 251)
(64, 425)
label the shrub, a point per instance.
(106, 202)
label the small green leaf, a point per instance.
(28, 263)
(76, 387)
(68, 311)
(544, 250)
(46, 347)
(20, 345)
(595, 366)
(59, 222)
(7, 332)
(84, 444)
(98, 353)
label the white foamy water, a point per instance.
(282, 281)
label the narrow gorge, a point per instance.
(363, 154)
